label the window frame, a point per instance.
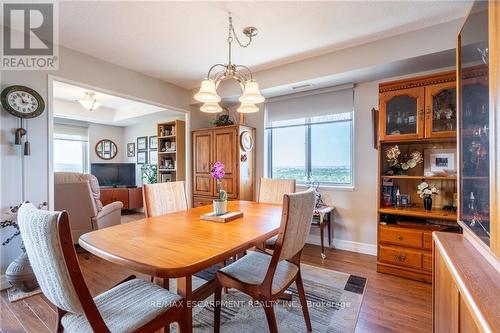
(308, 158)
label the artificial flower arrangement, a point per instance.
(220, 204)
(401, 164)
(426, 191)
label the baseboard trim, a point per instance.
(346, 245)
(4, 284)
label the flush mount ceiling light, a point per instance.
(89, 102)
(242, 74)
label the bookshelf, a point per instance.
(171, 151)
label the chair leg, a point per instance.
(271, 318)
(217, 307)
(182, 324)
(303, 301)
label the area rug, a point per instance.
(15, 294)
(334, 301)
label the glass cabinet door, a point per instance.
(441, 110)
(402, 114)
(474, 116)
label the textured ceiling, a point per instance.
(178, 41)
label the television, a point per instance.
(114, 174)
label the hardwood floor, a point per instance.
(391, 304)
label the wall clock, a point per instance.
(246, 141)
(22, 102)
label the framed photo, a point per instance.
(153, 142)
(131, 149)
(142, 143)
(440, 162)
(142, 157)
(153, 157)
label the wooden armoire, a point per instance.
(234, 146)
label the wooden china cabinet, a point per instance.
(466, 281)
(234, 147)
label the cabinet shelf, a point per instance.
(420, 212)
(421, 177)
(167, 152)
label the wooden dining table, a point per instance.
(180, 244)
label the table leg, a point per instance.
(329, 230)
(185, 289)
(321, 227)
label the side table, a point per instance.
(325, 215)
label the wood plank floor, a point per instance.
(391, 304)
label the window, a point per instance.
(71, 148)
(316, 148)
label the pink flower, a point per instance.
(218, 170)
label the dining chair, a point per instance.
(164, 198)
(133, 305)
(265, 277)
(272, 191)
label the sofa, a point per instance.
(79, 195)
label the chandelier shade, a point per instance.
(240, 73)
(211, 107)
(248, 108)
(89, 102)
(251, 93)
(207, 92)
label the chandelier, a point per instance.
(89, 102)
(242, 74)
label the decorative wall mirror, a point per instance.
(106, 149)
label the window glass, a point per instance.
(331, 152)
(289, 153)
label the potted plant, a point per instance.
(149, 173)
(19, 272)
(426, 191)
(220, 204)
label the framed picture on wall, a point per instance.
(131, 149)
(153, 157)
(153, 142)
(142, 157)
(142, 143)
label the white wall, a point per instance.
(33, 183)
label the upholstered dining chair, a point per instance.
(134, 305)
(272, 191)
(265, 277)
(164, 198)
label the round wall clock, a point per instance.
(22, 102)
(246, 141)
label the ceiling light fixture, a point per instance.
(251, 92)
(89, 102)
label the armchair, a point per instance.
(79, 195)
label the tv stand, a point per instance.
(131, 197)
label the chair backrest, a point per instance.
(40, 233)
(77, 177)
(273, 190)
(164, 198)
(298, 209)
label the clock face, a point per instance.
(22, 102)
(246, 141)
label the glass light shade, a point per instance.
(211, 108)
(251, 93)
(207, 92)
(89, 104)
(248, 108)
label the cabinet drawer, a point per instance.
(401, 236)
(427, 261)
(401, 257)
(427, 240)
(197, 201)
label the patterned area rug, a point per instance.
(15, 294)
(334, 302)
